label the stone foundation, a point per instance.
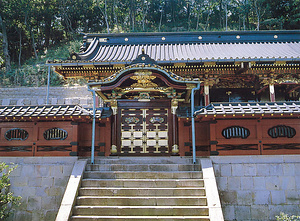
(41, 182)
(258, 187)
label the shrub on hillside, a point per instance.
(286, 217)
(7, 200)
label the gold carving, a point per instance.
(144, 80)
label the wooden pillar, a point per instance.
(206, 94)
(272, 92)
(74, 142)
(174, 106)
(35, 139)
(114, 107)
(213, 141)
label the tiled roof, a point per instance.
(250, 108)
(47, 111)
(163, 53)
(123, 48)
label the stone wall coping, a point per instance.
(69, 198)
(255, 159)
(212, 194)
(38, 160)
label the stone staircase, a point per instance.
(157, 188)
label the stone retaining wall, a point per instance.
(37, 96)
(41, 182)
(258, 187)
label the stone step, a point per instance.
(145, 160)
(140, 218)
(141, 201)
(141, 210)
(143, 167)
(112, 191)
(150, 183)
(142, 174)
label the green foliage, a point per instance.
(33, 73)
(36, 26)
(286, 217)
(7, 200)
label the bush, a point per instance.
(7, 200)
(286, 217)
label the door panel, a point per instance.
(144, 131)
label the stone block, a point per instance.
(20, 102)
(297, 180)
(47, 181)
(53, 101)
(247, 183)
(17, 171)
(244, 197)
(259, 183)
(13, 102)
(243, 213)
(297, 169)
(228, 212)
(50, 203)
(19, 181)
(276, 169)
(23, 215)
(287, 183)
(234, 183)
(41, 101)
(228, 197)
(28, 170)
(34, 203)
(26, 101)
(292, 197)
(68, 101)
(57, 171)
(222, 183)
(41, 191)
(226, 170)
(35, 182)
(237, 170)
(61, 181)
(260, 212)
(42, 170)
(83, 101)
(50, 215)
(288, 169)
(262, 197)
(60, 101)
(272, 183)
(217, 170)
(249, 169)
(262, 170)
(278, 197)
(54, 191)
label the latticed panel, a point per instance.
(132, 131)
(157, 130)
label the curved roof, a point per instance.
(192, 46)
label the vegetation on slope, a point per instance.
(32, 31)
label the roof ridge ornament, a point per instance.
(143, 58)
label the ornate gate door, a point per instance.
(144, 131)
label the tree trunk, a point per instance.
(5, 46)
(33, 44)
(20, 50)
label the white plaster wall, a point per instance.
(41, 182)
(258, 187)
